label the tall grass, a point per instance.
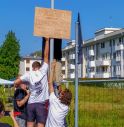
(98, 107)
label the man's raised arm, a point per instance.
(52, 71)
(46, 51)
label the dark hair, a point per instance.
(36, 64)
(66, 97)
(2, 108)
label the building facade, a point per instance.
(68, 61)
(26, 64)
(103, 55)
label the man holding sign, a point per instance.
(38, 86)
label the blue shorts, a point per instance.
(37, 112)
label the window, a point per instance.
(91, 69)
(27, 61)
(104, 69)
(97, 70)
(113, 42)
(27, 69)
(120, 40)
(102, 45)
(86, 70)
(114, 55)
(86, 48)
(110, 43)
(118, 53)
(114, 68)
(91, 58)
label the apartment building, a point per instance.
(103, 55)
(68, 61)
(26, 63)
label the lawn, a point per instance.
(98, 107)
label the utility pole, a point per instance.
(76, 75)
(52, 40)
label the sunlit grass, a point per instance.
(98, 107)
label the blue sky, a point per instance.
(18, 15)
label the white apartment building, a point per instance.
(26, 64)
(68, 61)
(103, 55)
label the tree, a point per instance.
(9, 57)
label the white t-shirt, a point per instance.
(38, 84)
(57, 112)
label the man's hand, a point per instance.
(46, 39)
(28, 92)
(11, 114)
(13, 118)
(53, 64)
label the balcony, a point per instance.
(102, 75)
(72, 75)
(71, 66)
(118, 73)
(91, 63)
(72, 56)
(63, 59)
(64, 76)
(63, 67)
(119, 47)
(91, 52)
(118, 58)
(91, 74)
(102, 62)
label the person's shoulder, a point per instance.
(25, 76)
(4, 125)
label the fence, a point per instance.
(101, 103)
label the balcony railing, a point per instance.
(63, 59)
(91, 63)
(63, 76)
(91, 52)
(91, 74)
(72, 75)
(102, 62)
(72, 56)
(118, 72)
(71, 66)
(118, 58)
(63, 67)
(119, 47)
(102, 75)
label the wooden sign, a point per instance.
(52, 23)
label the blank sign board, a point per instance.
(52, 23)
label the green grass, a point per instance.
(6, 119)
(98, 107)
